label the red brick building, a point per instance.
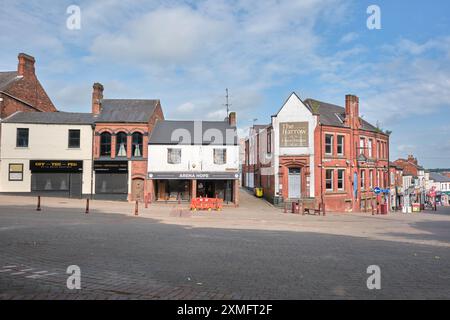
(122, 128)
(21, 90)
(313, 149)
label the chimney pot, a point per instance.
(26, 65)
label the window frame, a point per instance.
(140, 144)
(342, 179)
(331, 180)
(362, 177)
(331, 144)
(170, 156)
(70, 139)
(102, 144)
(224, 156)
(121, 134)
(27, 137)
(342, 145)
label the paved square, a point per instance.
(252, 252)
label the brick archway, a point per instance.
(288, 162)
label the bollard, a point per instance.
(285, 207)
(146, 201)
(136, 208)
(38, 208)
(87, 206)
(323, 208)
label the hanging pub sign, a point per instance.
(111, 166)
(293, 134)
(56, 165)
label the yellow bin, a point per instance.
(259, 192)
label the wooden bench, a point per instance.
(311, 206)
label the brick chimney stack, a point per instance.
(232, 119)
(352, 111)
(26, 65)
(97, 97)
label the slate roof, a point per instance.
(333, 115)
(126, 110)
(437, 177)
(50, 118)
(162, 133)
(6, 78)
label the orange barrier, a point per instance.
(206, 204)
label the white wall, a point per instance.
(294, 111)
(45, 142)
(192, 155)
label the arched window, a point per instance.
(121, 144)
(105, 144)
(136, 150)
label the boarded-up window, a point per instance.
(220, 156)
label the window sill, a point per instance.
(22, 148)
(73, 149)
(330, 192)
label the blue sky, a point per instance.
(186, 53)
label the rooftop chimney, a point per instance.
(97, 97)
(26, 65)
(352, 111)
(232, 119)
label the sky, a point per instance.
(186, 53)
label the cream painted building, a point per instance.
(205, 162)
(46, 153)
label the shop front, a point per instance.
(111, 180)
(173, 186)
(60, 178)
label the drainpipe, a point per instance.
(92, 161)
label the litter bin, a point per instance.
(383, 208)
(259, 192)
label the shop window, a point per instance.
(15, 172)
(329, 179)
(50, 181)
(340, 179)
(111, 183)
(105, 144)
(121, 144)
(74, 138)
(340, 145)
(328, 144)
(137, 143)
(173, 156)
(22, 137)
(220, 156)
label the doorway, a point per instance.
(294, 186)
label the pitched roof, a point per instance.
(333, 115)
(164, 129)
(50, 118)
(6, 78)
(437, 177)
(126, 110)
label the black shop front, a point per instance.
(59, 178)
(111, 179)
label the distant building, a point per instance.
(21, 90)
(412, 168)
(441, 185)
(313, 149)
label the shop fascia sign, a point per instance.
(193, 175)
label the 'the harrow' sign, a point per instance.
(378, 190)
